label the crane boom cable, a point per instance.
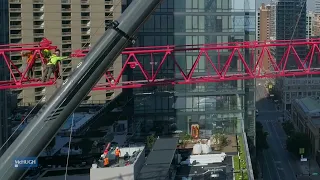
(31, 111)
(69, 146)
(298, 19)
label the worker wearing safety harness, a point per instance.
(52, 64)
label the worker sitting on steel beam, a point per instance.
(52, 64)
(30, 64)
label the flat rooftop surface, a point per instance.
(224, 170)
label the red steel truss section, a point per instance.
(18, 77)
(241, 60)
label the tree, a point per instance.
(150, 141)
(261, 137)
(288, 128)
(298, 140)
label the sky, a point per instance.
(310, 5)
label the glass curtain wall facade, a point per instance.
(216, 107)
(4, 39)
(291, 24)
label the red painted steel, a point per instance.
(18, 77)
(223, 62)
(237, 65)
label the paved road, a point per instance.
(276, 162)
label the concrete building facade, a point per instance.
(70, 25)
(305, 115)
(317, 6)
(264, 23)
(310, 24)
(316, 25)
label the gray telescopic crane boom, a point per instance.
(44, 126)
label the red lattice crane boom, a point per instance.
(18, 74)
(223, 62)
(234, 66)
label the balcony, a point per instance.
(85, 40)
(108, 2)
(15, 53)
(37, 93)
(85, 9)
(15, 27)
(66, 33)
(66, 25)
(65, 9)
(38, 17)
(66, 17)
(15, 9)
(38, 1)
(37, 9)
(85, 17)
(85, 33)
(16, 18)
(109, 18)
(15, 35)
(65, 1)
(14, 1)
(38, 34)
(38, 26)
(66, 41)
(87, 25)
(67, 49)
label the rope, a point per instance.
(69, 147)
(22, 122)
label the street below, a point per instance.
(276, 162)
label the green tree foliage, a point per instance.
(288, 128)
(298, 140)
(150, 141)
(261, 137)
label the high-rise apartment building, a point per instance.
(273, 20)
(5, 128)
(310, 24)
(211, 105)
(316, 25)
(292, 23)
(317, 6)
(70, 25)
(264, 22)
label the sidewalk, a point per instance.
(314, 168)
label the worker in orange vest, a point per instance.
(117, 152)
(30, 64)
(106, 162)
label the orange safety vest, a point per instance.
(117, 152)
(106, 161)
(29, 58)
